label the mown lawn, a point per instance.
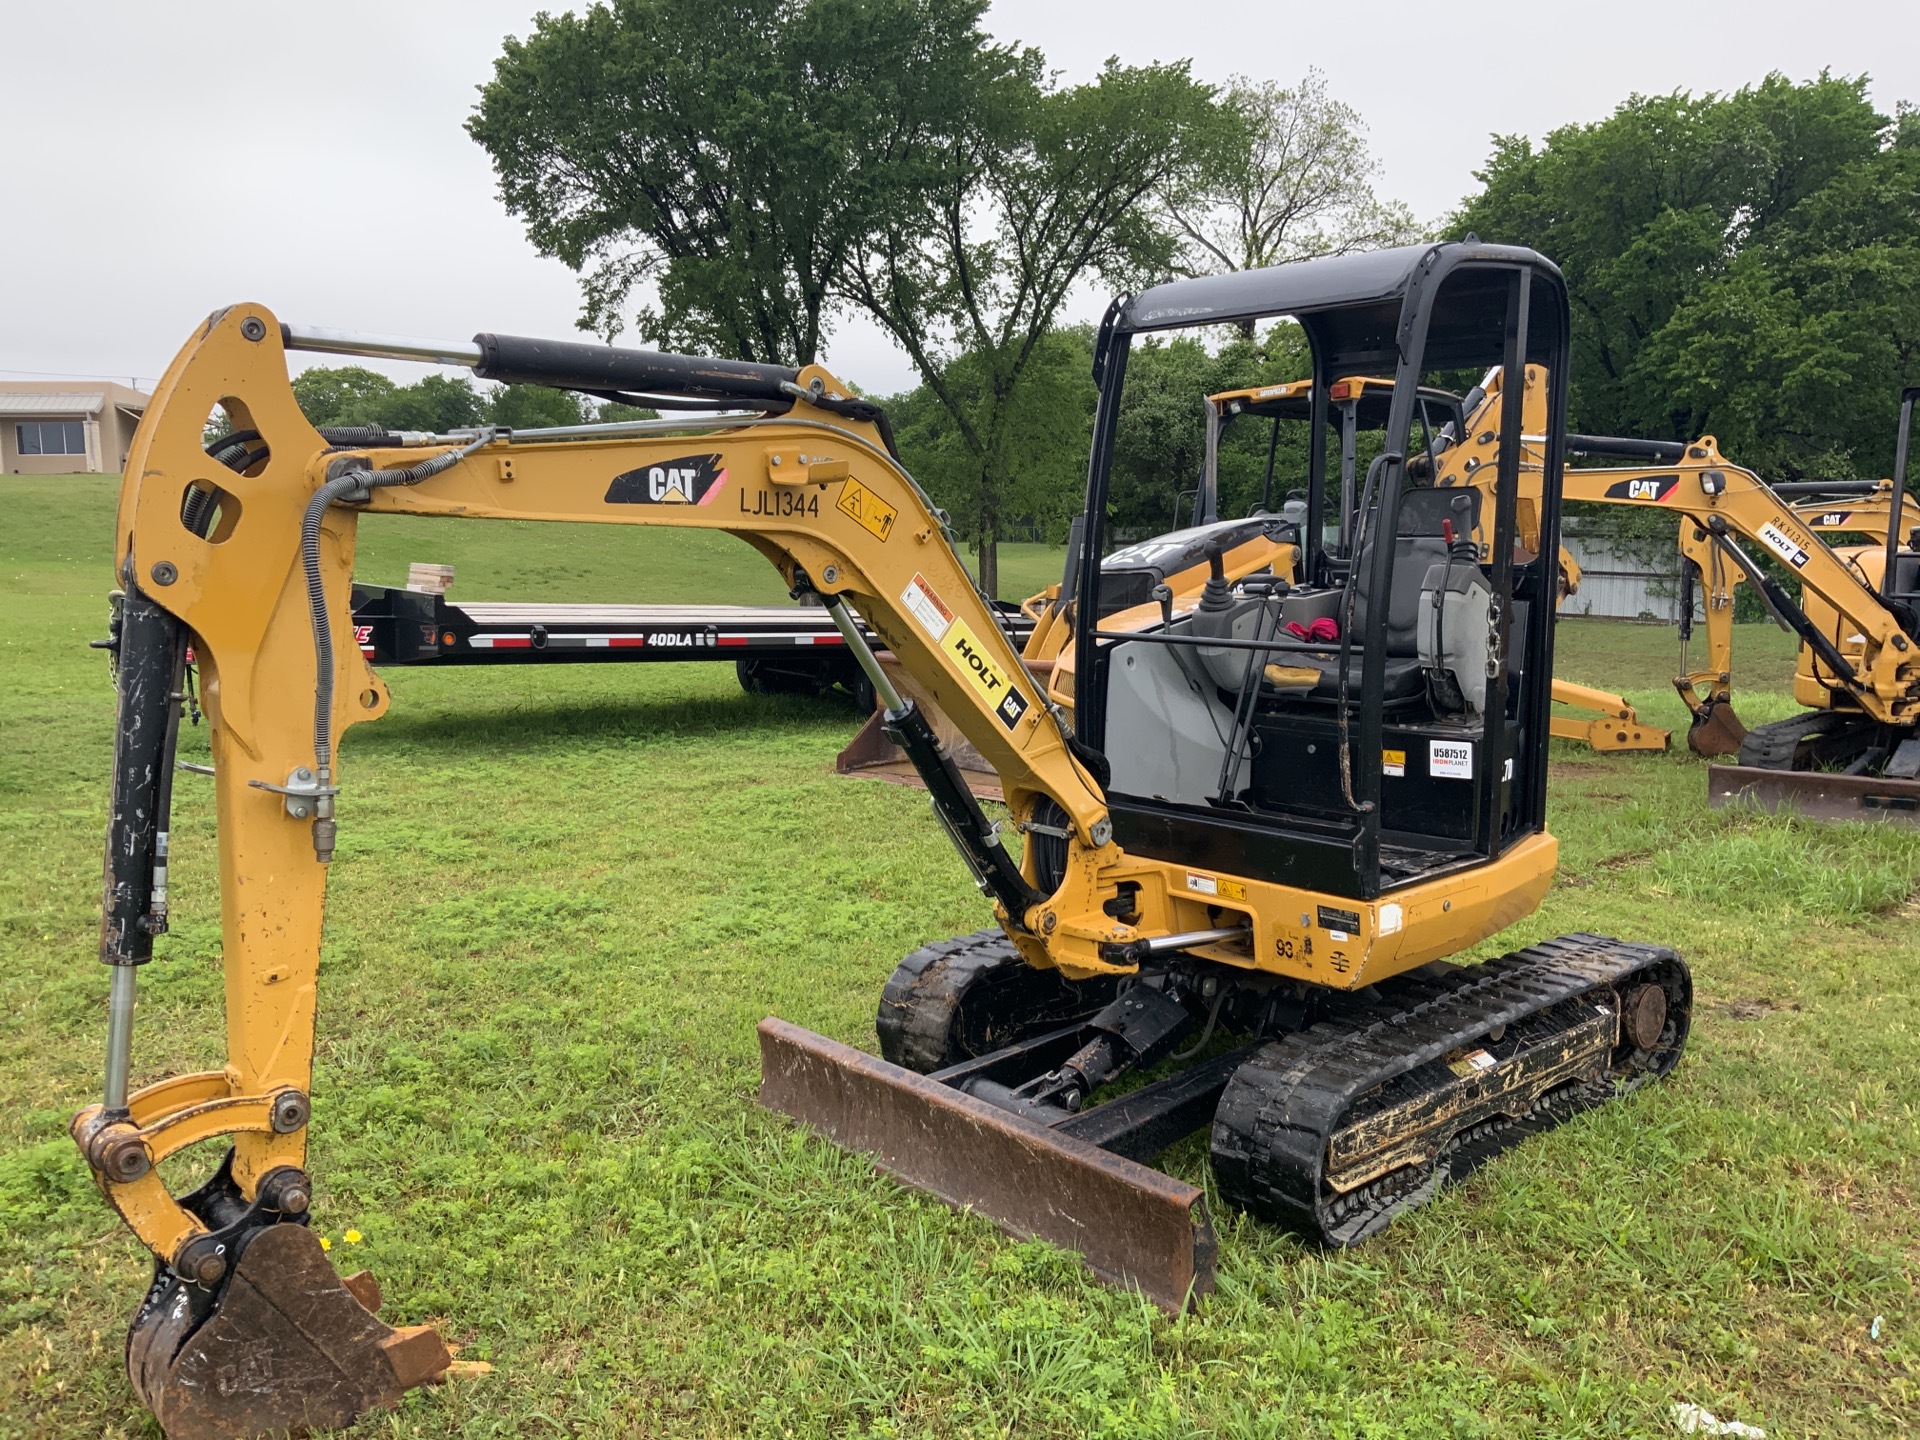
(564, 897)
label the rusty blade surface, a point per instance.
(1134, 1226)
(1815, 795)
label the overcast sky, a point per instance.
(164, 159)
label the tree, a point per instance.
(354, 395)
(728, 156)
(1160, 445)
(1037, 189)
(435, 403)
(1746, 265)
(1044, 442)
(530, 407)
(1296, 183)
(342, 395)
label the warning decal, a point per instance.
(1393, 762)
(1214, 885)
(927, 607)
(866, 509)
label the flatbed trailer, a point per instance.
(791, 649)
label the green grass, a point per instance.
(563, 898)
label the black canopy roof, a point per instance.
(1350, 303)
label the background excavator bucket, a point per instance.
(1715, 730)
(282, 1345)
(1134, 1226)
(870, 753)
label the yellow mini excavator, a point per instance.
(1856, 754)
(1243, 856)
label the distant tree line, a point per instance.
(738, 176)
(355, 395)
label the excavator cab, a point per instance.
(1386, 721)
(1357, 411)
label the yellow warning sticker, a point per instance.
(977, 664)
(866, 509)
(1393, 762)
(1216, 885)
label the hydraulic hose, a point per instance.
(354, 484)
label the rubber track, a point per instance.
(915, 1020)
(1274, 1123)
(961, 998)
(1776, 745)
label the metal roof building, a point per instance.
(59, 427)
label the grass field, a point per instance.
(564, 896)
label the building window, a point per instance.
(53, 437)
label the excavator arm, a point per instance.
(1862, 652)
(1720, 505)
(245, 556)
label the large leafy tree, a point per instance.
(1296, 182)
(1038, 189)
(1746, 265)
(717, 163)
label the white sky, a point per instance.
(165, 159)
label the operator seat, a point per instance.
(1419, 545)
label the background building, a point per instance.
(56, 427)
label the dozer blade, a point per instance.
(1816, 794)
(283, 1345)
(1133, 1225)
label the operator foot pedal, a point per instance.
(282, 1345)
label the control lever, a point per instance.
(1215, 595)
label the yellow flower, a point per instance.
(325, 1244)
(353, 1237)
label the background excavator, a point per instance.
(1712, 562)
(1244, 857)
(1859, 507)
(1857, 755)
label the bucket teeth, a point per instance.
(283, 1345)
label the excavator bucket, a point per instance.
(1133, 1225)
(282, 1345)
(1715, 730)
(871, 754)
